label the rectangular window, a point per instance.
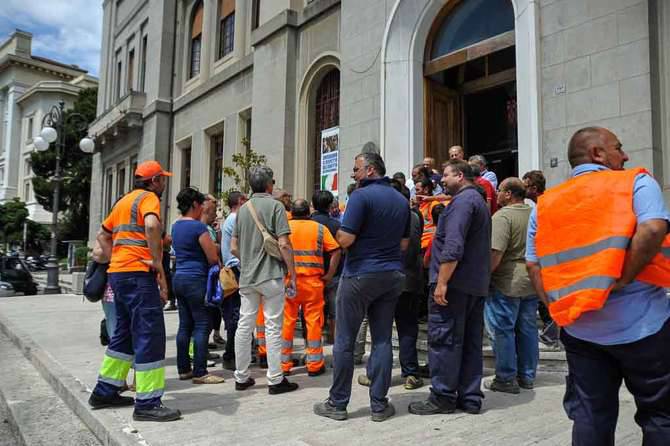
(119, 73)
(216, 181)
(133, 168)
(2, 176)
(30, 129)
(28, 168)
(195, 56)
(186, 168)
(227, 35)
(120, 182)
(255, 14)
(131, 68)
(108, 191)
(143, 63)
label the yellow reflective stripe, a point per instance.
(114, 369)
(150, 380)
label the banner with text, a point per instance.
(330, 150)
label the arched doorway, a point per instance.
(326, 116)
(470, 84)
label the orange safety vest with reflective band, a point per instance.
(426, 209)
(129, 241)
(307, 240)
(584, 227)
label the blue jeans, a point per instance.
(375, 294)
(407, 324)
(513, 325)
(193, 323)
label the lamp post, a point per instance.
(53, 129)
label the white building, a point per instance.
(29, 86)
(184, 81)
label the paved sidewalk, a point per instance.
(67, 330)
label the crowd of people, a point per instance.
(456, 248)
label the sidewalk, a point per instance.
(60, 333)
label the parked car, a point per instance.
(15, 271)
(6, 289)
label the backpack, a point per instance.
(214, 294)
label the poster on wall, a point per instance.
(330, 150)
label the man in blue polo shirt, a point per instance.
(374, 232)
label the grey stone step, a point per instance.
(36, 415)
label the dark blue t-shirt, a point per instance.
(191, 259)
(379, 217)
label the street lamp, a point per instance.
(53, 126)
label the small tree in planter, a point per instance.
(239, 174)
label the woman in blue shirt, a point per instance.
(195, 252)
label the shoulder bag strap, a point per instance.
(260, 227)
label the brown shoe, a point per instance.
(185, 376)
(209, 379)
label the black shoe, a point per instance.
(282, 387)
(212, 346)
(160, 413)
(524, 383)
(116, 400)
(470, 408)
(321, 371)
(213, 356)
(497, 385)
(327, 410)
(263, 362)
(229, 364)
(286, 373)
(427, 407)
(245, 385)
(384, 415)
(424, 371)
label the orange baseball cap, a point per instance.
(150, 169)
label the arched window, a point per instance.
(226, 27)
(327, 115)
(470, 22)
(196, 40)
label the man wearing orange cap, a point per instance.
(130, 239)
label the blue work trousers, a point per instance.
(407, 324)
(455, 349)
(376, 295)
(512, 323)
(140, 328)
(194, 323)
(595, 373)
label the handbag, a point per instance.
(228, 281)
(270, 243)
(95, 281)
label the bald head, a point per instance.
(456, 152)
(300, 208)
(511, 191)
(596, 145)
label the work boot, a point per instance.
(498, 385)
(363, 380)
(384, 415)
(412, 383)
(116, 400)
(245, 385)
(213, 356)
(428, 407)
(160, 413)
(471, 408)
(321, 371)
(216, 337)
(424, 371)
(525, 383)
(326, 409)
(282, 387)
(263, 362)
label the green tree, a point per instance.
(239, 174)
(75, 171)
(13, 216)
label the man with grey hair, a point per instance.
(375, 231)
(486, 174)
(262, 279)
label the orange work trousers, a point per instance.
(261, 351)
(309, 296)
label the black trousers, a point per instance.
(592, 389)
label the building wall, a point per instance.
(596, 71)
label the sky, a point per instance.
(68, 31)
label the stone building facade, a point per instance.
(186, 81)
(29, 86)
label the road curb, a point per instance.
(109, 428)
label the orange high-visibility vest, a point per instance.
(584, 227)
(426, 209)
(307, 240)
(129, 241)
